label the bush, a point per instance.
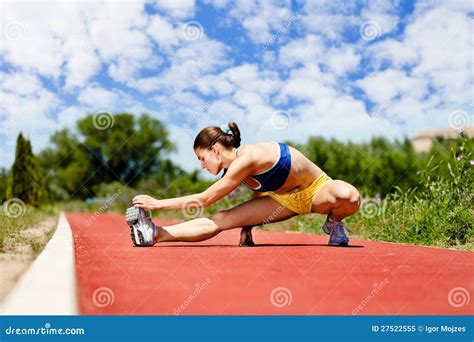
(114, 196)
(437, 212)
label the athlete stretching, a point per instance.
(284, 183)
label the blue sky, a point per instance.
(280, 69)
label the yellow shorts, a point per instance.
(300, 202)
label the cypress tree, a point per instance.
(3, 184)
(24, 179)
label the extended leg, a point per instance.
(250, 213)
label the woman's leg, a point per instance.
(250, 213)
(337, 198)
(246, 238)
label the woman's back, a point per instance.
(266, 154)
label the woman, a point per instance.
(284, 183)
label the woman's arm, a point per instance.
(148, 202)
(237, 171)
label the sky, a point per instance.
(282, 70)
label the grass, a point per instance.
(37, 244)
(11, 227)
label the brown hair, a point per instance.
(213, 134)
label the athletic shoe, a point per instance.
(142, 230)
(246, 239)
(336, 231)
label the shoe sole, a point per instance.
(247, 244)
(132, 216)
(342, 244)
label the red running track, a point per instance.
(287, 274)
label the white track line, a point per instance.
(48, 287)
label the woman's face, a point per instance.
(210, 159)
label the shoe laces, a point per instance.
(338, 228)
(147, 218)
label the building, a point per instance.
(423, 141)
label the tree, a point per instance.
(128, 150)
(25, 180)
(3, 184)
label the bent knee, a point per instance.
(348, 194)
(221, 219)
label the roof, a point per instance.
(445, 133)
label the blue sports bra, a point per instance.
(275, 176)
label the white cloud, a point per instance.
(342, 60)
(249, 77)
(345, 119)
(396, 52)
(181, 106)
(309, 49)
(163, 32)
(82, 63)
(67, 117)
(184, 139)
(327, 18)
(308, 83)
(25, 33)
(68, 34)
(385, 85)
(20, 83)
(98, 98)
(189, 65)
(28, 113)
(430, 72)
(177, 8)
(382, 12)
(262, 19)
(220, 4)
(443, 39)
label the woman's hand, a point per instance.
(146, 202)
